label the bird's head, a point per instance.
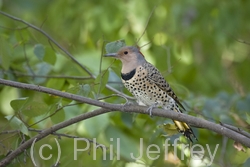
(130, 56)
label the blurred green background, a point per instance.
(201, 47)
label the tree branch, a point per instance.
(198, 122)
(48, 131)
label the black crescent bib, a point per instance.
(128, 76)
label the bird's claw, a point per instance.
(151, 108)
(128, 103)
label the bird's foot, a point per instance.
(128, 103)
(151, 108)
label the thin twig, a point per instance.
(100, 72)
(52, 114)
(2, 139)
(238, 130)
(43, 22)
(50, 38)
(239, 40)
(145, 44)
(150, 15)
(20, 74)
(223, 149)
(61, 48)
(39, 131)
(242, 41)
(25, 55)
(14, 28)
(114, 95)
(9, 132)
(62, 134)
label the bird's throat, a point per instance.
(129, 75)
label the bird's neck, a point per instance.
(127, 67)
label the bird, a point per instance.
(148, 86)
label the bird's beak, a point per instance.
(111, 55)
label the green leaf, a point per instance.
(85, 90)
(74, 89)
(113, 47)
(65, 101)
(126, 145)
(50, 56)
(55, 83)
(97, 124)
(170, 129)
(248, 118)
(22, 36)
(34, 108)
(127, 119)
(101, 81)
(17, 124)
(240, 157)
(29, 108)
(42, 69)
(82, 90)
(39, 51)
(18, 104)
(59, 116)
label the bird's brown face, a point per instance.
(130, 57)
(126, 54)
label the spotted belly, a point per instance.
(149, 94)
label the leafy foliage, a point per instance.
(202, 49)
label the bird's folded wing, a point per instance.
(155, 76)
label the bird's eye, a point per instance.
(126, 52)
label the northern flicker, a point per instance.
(147, 84)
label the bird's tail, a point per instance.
(184, 128)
